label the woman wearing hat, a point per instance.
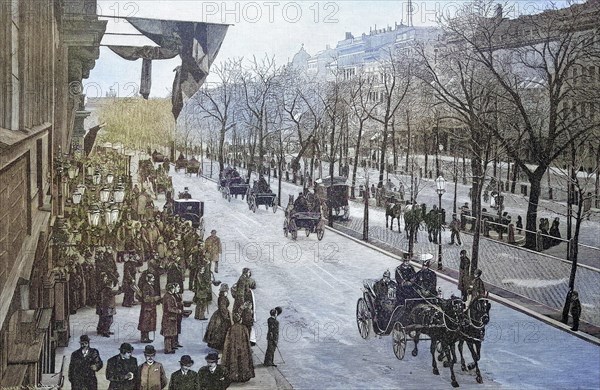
(184, 378)
(237, 353)
(219, 322)
(151, 373)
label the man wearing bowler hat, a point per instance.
(84, 364)
(184, 378)
(151, 373)
(122, 370)
(213, 376)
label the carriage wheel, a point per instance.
(320, 233)
(363, 318)
(399, 340)
(294, 234)
(285, 228)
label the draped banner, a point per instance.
(196, 43)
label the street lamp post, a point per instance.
(440, 189)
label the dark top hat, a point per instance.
(126, 347)
(212, 357)
(186, 360)
(279, 310)
(149, 350)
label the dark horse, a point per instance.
(441, 323)
(473, 332)
(394, 210)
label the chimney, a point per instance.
(349, 35)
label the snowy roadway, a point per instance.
(318, 284)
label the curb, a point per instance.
(495, 297)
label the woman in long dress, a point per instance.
(237, 353)
(220, 321)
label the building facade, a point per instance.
(47, 48)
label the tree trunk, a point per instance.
(515, 175)
(366, 212)
(382, 158)
(478, 179)
(408, 140)
(356, 156)
(221, 144)
(535, 180)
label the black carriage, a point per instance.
(334, 194)
(371, 315)
(255, 199)
(310, 221)
(181, 163)
(158, 157)
(190, 210)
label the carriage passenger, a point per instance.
(385, 296)
(405, 274)
(300, 204)
(263, 186)
(426, 280)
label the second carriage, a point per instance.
(310, 221)
(256, 199)
(334, 194)
(231, 185)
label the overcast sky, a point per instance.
(276, 28)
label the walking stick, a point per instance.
(283, 361)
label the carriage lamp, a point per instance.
(440, 184)
(97, 178)
(119, 194)
(109, 178)
(94, 215)
(77, 197)
(104, 195)
(81, 189)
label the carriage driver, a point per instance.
(300, 204)
(426, 280)
(405, 275)
(263, 186)
(385, 293)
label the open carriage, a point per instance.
(231, 184)
(310, 221)
(256, 199)
(334, 194)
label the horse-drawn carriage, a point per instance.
(181, 163)
(445, 321)
(334, 194)
(232, 184)
(255, 199)
(193, 167)
(158, 157)
(191, 210)
(311, 221)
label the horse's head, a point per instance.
(479, 312)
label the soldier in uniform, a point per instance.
(122, 370)
(184, 378)
(213, 249)
(426, 280)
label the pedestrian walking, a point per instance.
(213, 249)
(106, 307)
(272, 336)
(213, 376)
(202, 290)
(151, 373)
(184, 378)
(464, 272)
(169, 318)
(149, 299)
(129, 277)
(122, 370)
(519, 224)
(237, 353)
(220, 321)
(575, 310)
(455, 231)
(84, 364)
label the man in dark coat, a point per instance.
(129, 273)
(150, 299)
(426, 279)
(169, 318)
(464, 274)
(122, 370)
(106, 307)
(272, 336)
(405, 275)
(184, 378)
(84, 364)
(213, 376)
